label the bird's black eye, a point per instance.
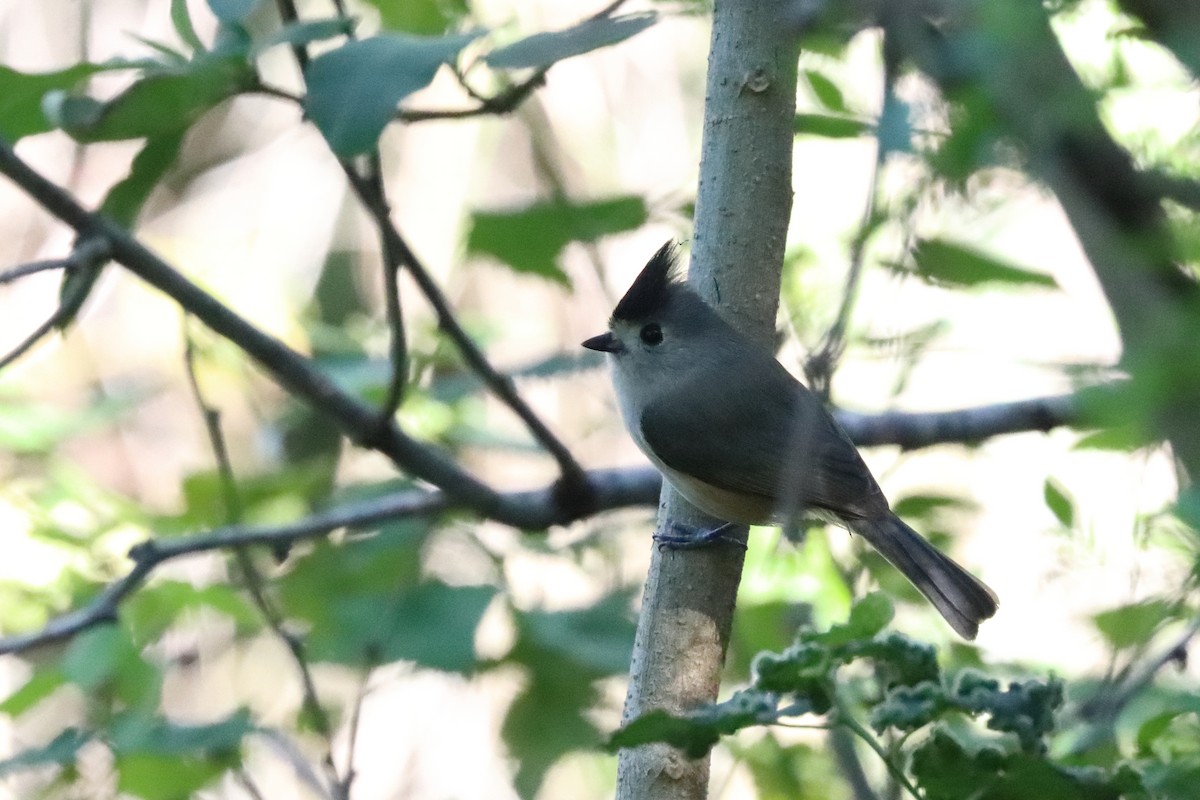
(651, 334)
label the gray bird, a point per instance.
(744, 441)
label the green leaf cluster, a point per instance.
(904, 690)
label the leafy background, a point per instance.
(469, 644)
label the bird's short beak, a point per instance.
(605, 343)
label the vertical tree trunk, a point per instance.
(743, 205)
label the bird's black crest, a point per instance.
(649, 290)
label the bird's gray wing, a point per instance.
(775, 441)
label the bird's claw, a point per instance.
(683, 537)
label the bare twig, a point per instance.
(352, 743)
(505, 102)
(291, 370)
(251, 576)
(88, 254)
(370, 178)
(500, 385)
(289, 16)
(1107, 705)
(912, 430)
(372, 196)
(33, 267)
(247, 783)
(844, 719)
(841, 742)
(820, 366)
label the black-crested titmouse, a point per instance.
(744, 441)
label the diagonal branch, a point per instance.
(499, 384)
(290, 369)
(913, 430)
(32, 268)
(88, 255)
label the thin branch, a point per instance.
(1108, 705)
(499, 384)
(501, 104)
(372, 195)
(913, 430)
(289, 16)
(847, 721)
(370, 177)
(252, 577)
(247, 783)
(352, 744)
(841, 742)
(33, 267)
(820, 366)
(216, 437)
(291, 370)
(89, 254)
(539, 509)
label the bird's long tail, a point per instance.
(964, 600)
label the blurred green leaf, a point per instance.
(353, 91)
(21, 97)
(696, 732)
(159, 103)
(826, 91)
(596, 640)
(143, 734)
(1133, 624)
(544, 49)
(43, 683)
(545, 722)
(946, 769)
(28, 428)
(894, 130)
(154, 609)
(693, 737)
(868, 617)
(423, 17)
(923, 507)
(939, 261)
(293, 490)
(563, 653)
(125, 199)
(792, 771)
(530, 239)
(182, 21)
(762, 626)
(154, 777)
(828, 126)
(385, 563)
(233, 11)
(61, 750)
(432, 625)
(1060, 503)
(303, 33)
(1124, 438)
(104, 659)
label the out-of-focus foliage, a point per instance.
(941, 721)
(963, 735)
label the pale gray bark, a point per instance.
(743, 205)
